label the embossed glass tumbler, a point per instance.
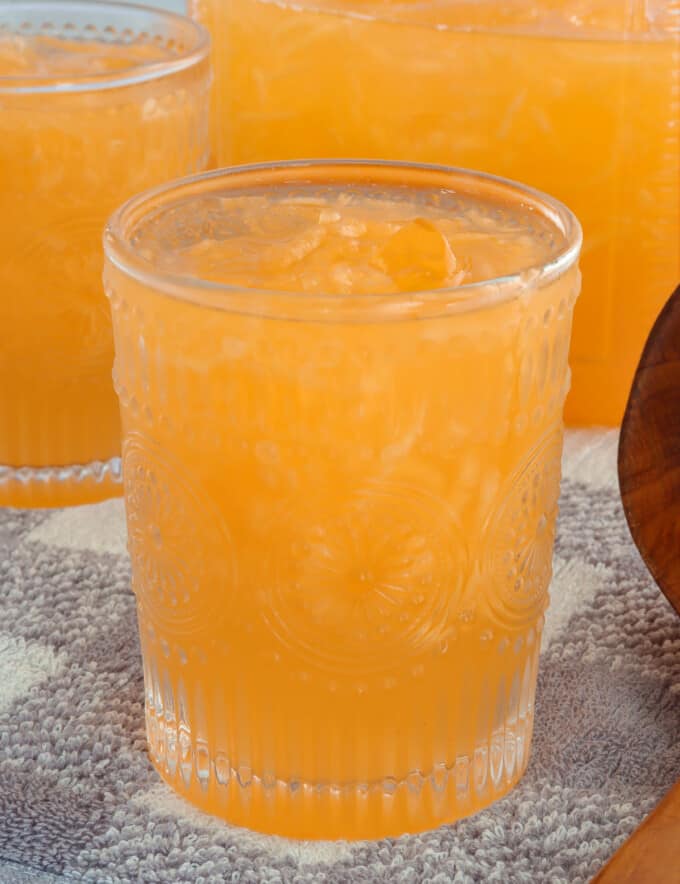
(341, 389)
(97, 102)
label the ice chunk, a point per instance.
(418, 257)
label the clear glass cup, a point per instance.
(97, 102)
(341, 512)
(580, 98)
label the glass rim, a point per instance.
(661, 26)
(143, 72)
(217, 295)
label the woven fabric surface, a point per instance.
(80, 801)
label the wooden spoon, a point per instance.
(649, 478)
(649, 453)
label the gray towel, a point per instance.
(80, 801)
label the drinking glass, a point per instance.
(97, 102)
(341, 507)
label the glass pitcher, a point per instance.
(580, 98)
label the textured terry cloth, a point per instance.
(80, 801)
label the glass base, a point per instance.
(222, 776)
(321, 811)
(355, 811)
(58, 486)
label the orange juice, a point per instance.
(90, 113)
(579, 98)
(341, 391)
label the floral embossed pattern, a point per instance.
(182, 558)
(349, 597)
(520, 536)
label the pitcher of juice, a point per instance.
(580, 98)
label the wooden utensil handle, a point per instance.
(652, 854)
(649, 477)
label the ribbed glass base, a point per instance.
(60, 485)
(273, 771)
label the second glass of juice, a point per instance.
(341, 389)
(97, 102)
